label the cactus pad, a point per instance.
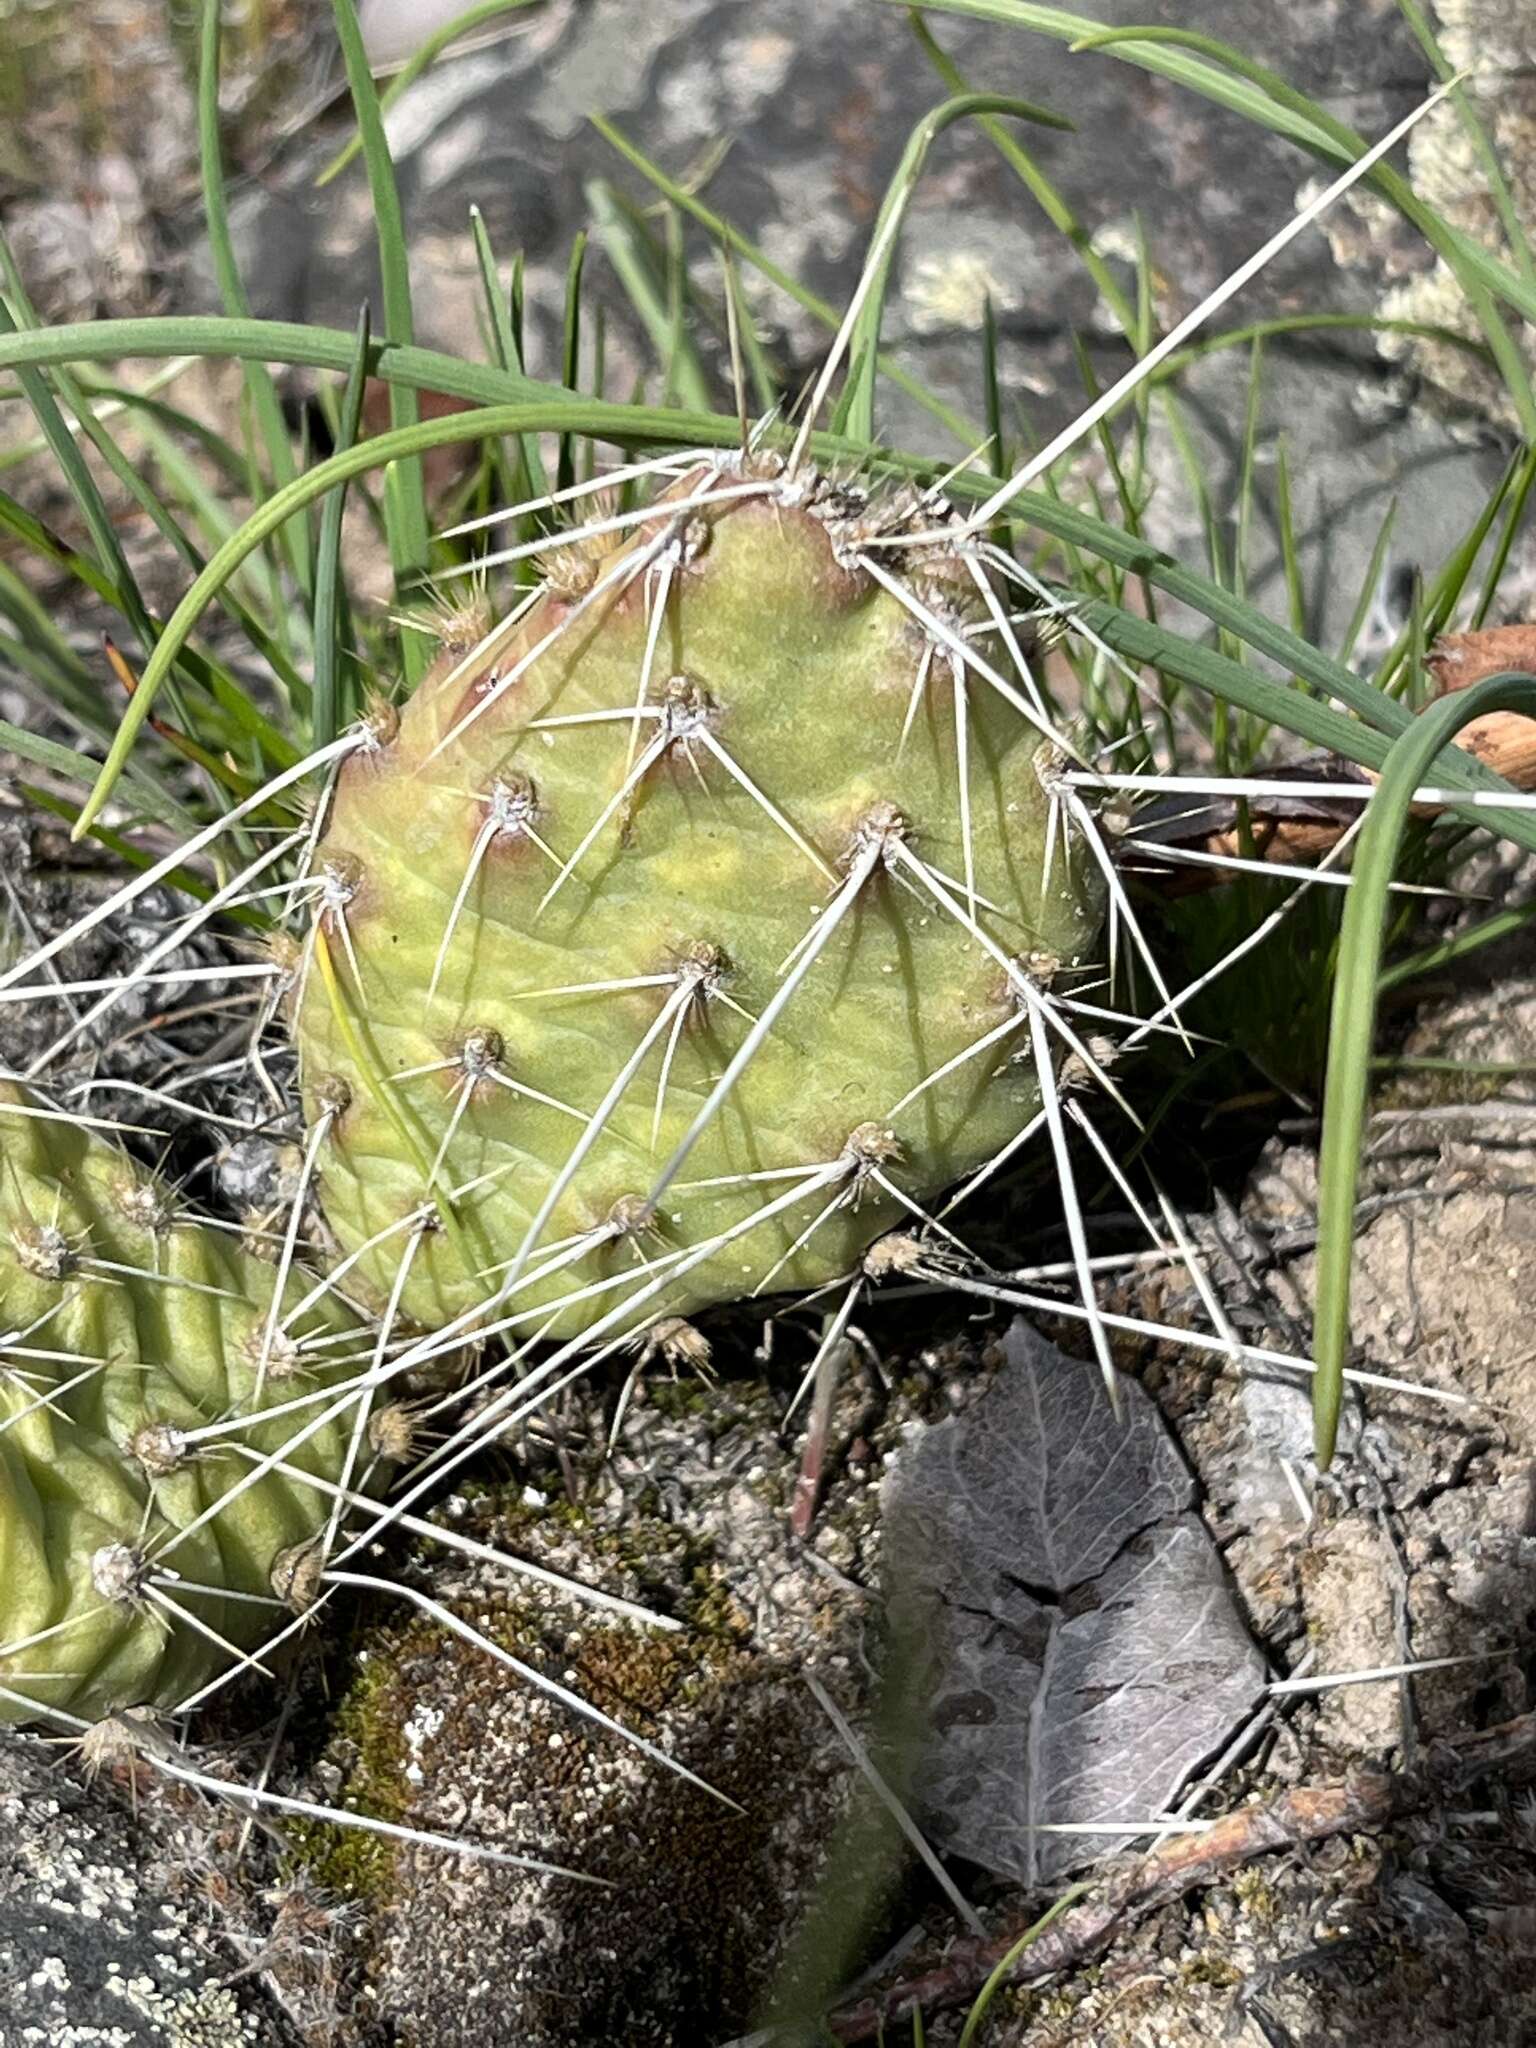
(127, 1330)
(677, 798)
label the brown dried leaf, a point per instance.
(1458, 660)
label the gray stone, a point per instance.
(1352, 463)
(93, 1953)
(816, 106)
(1492, 45)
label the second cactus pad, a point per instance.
(655, 836)
(145, 1545)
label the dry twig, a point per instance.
(1365, 1803)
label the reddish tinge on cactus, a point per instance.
(146, 1540)
(691, 926)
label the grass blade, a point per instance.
(405, 496)
(635, 268)
(971, 2032)
(265, 404)
(505, 312)
(1046, 195)
(857, 411)
(333, 705)
(965, 431)
(1354, 1016)
(119, 578)
(421, 59)
(565, 465)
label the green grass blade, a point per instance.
(405, 499)
(1370, 583)
(1397, 672)
(1252, 423)
(965, 431)
(277, 341)
(265, 404)
(421, 59)
(858, 407)
(216, 518)
(971, 2032)
(69, 765)
(506, 343)
(738, 315)
(333, 701)
(992, 390)
(565, 465)
(1514, 520)
(1488, 931)
(635, 268)
(1354, 1016)
(69, 681)
(118, 577)
(1295, 592)
(504, 310)
(1317, 323)
(680, 351)
(1046, 195)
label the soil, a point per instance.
(1424, 1547)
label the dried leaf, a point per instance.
(1071, 1649)
(1458, 660)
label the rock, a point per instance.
(1346, 1577)
(691, 1518)
(1352, 464)
(816, 106)
(1492, 45)
(392, 29)
(94, 1953)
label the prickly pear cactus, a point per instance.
(135, 1560)
(660, 945)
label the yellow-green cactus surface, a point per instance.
(596, 850)
(126, 1332)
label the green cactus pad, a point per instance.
(455, 1014)
(126, 1329)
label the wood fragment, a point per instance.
(1366, 1802)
